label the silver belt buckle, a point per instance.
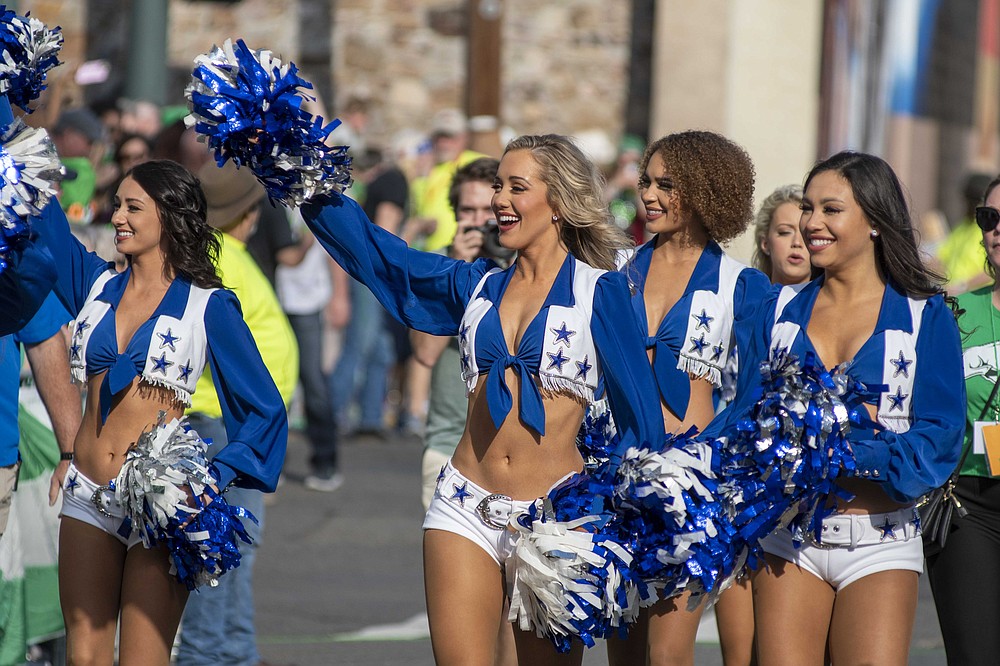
(816, 543)
(483, 509)
(97, 498)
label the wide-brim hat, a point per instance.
(229, 192)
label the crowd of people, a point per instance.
(527, 287)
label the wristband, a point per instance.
(66, 455)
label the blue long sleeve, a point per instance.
(423, 290)
(252, 409)
(628, 377)
(911, 463)
(24, 284)
(77, 269)
(752, 288)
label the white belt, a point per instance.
(493, 509)
(852, 530)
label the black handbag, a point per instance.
(939, 507)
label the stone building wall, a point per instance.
(564, 63)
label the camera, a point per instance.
(491, 242)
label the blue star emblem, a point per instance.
(779, 352)
(462, 332)
(72, 484)
(461, 493)
(703, 321)
(161, 364)
(557, 360)
(465, 361)
(898, 399)
(185, 371)
(717, 352)
(81, 326)
(562, 334)
(74, 352)
(698, 345)
(902, 365)
(168, 339)
(440, 474)
(888, 530)
(582, 368)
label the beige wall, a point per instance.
(749, 70)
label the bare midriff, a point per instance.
(100, 450)
(514, 460)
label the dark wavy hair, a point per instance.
(881, 198)
(192, 247)
(713, 177)
(482, 170)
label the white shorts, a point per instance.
(461, 507)
(95, 505)
(853, 546)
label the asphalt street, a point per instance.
(338, 578)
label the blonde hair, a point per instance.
(762, 223)
(575, 193)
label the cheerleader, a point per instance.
(848, 591)
(535, 339)
(694, 303)
(140, 341)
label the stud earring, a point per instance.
(874, 233)
(555, 218)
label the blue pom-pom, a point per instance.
(248, 106)
(28, 50)
(29, 170)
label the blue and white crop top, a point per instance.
(584, 329)
(914, 357)
(700, 333)
(190, 329)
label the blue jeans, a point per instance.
(366, 356)
(218, 623)
(321, 422)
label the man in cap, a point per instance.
(218, 623)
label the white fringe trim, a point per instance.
(180, 395)
(78, 374)
(558, 384)
(698, 368)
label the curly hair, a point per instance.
(192, 247)
(575, 193)
(762, 223)
(880, 196)
(713, 178)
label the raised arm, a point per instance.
(252, 409)
(628, 377)
(76, 268)
(422, 290)
(911, 463)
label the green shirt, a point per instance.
(979, 325)
(446, 412)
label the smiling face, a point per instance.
(660, 197)
(835, 229)
(783, 243)
(991, 239)
(520, 202)
(136, 221)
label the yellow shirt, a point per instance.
(432, 200)
(962, 254)
(265, 319)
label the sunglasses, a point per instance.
(987, 218)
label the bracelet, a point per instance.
(66, 455)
